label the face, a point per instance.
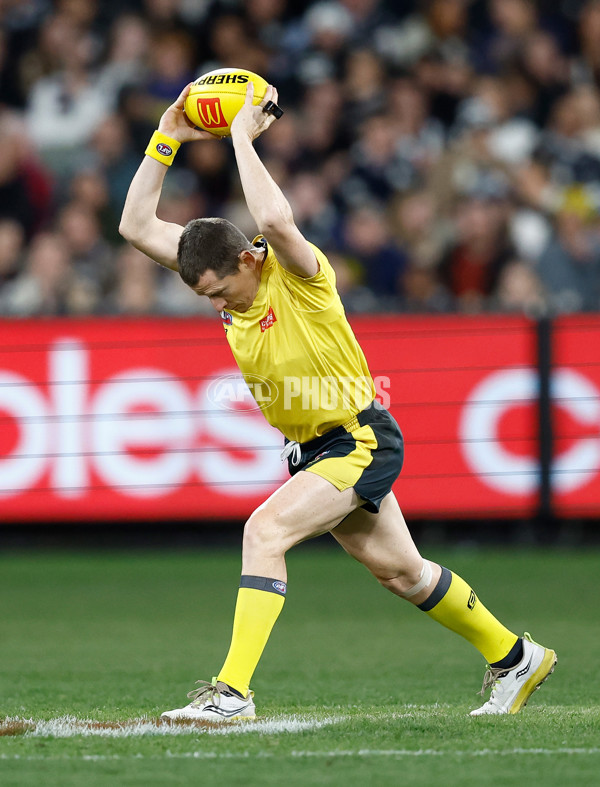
(235, 292)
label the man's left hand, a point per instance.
(252, 120)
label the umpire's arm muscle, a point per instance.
(139, 223)
(272, 212)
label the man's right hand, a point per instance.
(139, 224)
(176, 124)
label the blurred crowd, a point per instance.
(445, 154)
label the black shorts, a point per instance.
(366, 453)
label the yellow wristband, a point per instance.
(162, 148)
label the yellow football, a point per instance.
(215, 98)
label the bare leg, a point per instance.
(383, 543)
(304, 507)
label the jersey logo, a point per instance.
(210, 112)
(268, 321)
(227, 318)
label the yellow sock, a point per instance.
(454, 604)
(259, 602)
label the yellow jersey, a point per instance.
(297, 352)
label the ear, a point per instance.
(249, 259)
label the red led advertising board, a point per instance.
(576, 416)
(118, 419)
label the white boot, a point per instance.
(512, 688)
(214, 702)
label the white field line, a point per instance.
(443, 753)
(361, 753)
(69, 727)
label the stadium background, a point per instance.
(446, 156)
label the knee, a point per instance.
(405, 579)
(263, 536)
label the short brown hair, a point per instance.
(210, 244)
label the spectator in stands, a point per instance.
(128, 55)
(569, 266)
(420, 138)
(65, 107)
(25, 186)
(314, 211)
(18, 32)
(587, 105)
(512, 22)
(110, 151)
(214, 178)
(377, 171)
(364, 88)
(136, 288)
(163, 14)
(355, 296)
(82, 13)
(48, 285)
(446, 76)
(367, 238)
(321, 132)
(319, 42)
(286, 144)
(544, 65)
(90, 190)
(492, 108)
(424, 235)
(170, 68)
(519, 290)
(472, 265)
(586, 62)
(12, 241)
(368, 18)
(230, 41)
(383, 101)
(265, 19)
(92, 257)
(563, 146)
(436, 28)
(418, 227)
(422, 289)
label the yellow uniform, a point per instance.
(297, 337)
(299, 356)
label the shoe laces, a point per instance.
(492, 678)
(207, 692)
(494, 674)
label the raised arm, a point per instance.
(269, 208)
(139, 223)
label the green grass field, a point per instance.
(355, 687)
